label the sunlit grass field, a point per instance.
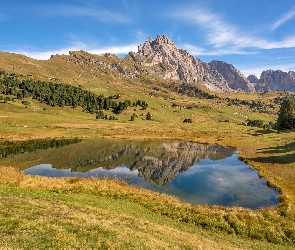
(77, 206)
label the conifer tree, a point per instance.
(286, 118)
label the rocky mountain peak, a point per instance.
(178, 64)
(154, 46)
(161, 58)
(162, 39)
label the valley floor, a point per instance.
(103, 214)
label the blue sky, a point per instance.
(253, 35)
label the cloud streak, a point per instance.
(256, 70)
(218, 33)
(102, 15)
(197, 51)
(93, 12)
(115, 49)
(221, 34)
(285, 18)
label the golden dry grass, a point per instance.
(109, 214)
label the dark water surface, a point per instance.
(195, 173)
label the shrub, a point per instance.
(187, 120)
(148, 116)
(26, 103)
(255, 123)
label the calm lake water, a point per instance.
(195, 173)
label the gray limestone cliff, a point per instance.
(274, 80)
(253, 79)
(178, 64)
(235, 79)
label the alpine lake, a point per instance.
(195, 173)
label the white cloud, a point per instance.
(288, 42)
(256, 70)
(221, 34)
(44, 55)
(140, 36)
(193, 49)
(99, 14)
(218, 33)
(116, 171)
(285, 18)
(114, 49)
(196, 51)
(94, 12)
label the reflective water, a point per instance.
(196, 173)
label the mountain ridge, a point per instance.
(274, 80)
(156, 60)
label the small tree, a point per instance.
(132, 118)
(148, 116)
(286, 118)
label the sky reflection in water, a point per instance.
(228, 182)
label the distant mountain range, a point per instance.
(178, 64)
(156, 60)
(275, 80)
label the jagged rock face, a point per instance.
(276, 80)
(253, 79)
(178, 64)
(160, 58)
(235, 79)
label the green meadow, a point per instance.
(98, 213)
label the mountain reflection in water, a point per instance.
(196, 173)
(157, 162)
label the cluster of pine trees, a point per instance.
(262, 107)
(63, 95)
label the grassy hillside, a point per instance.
(83, 214)
(108, 214)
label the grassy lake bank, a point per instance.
(80, 213)
(50, 213)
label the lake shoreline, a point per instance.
(195, 173)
